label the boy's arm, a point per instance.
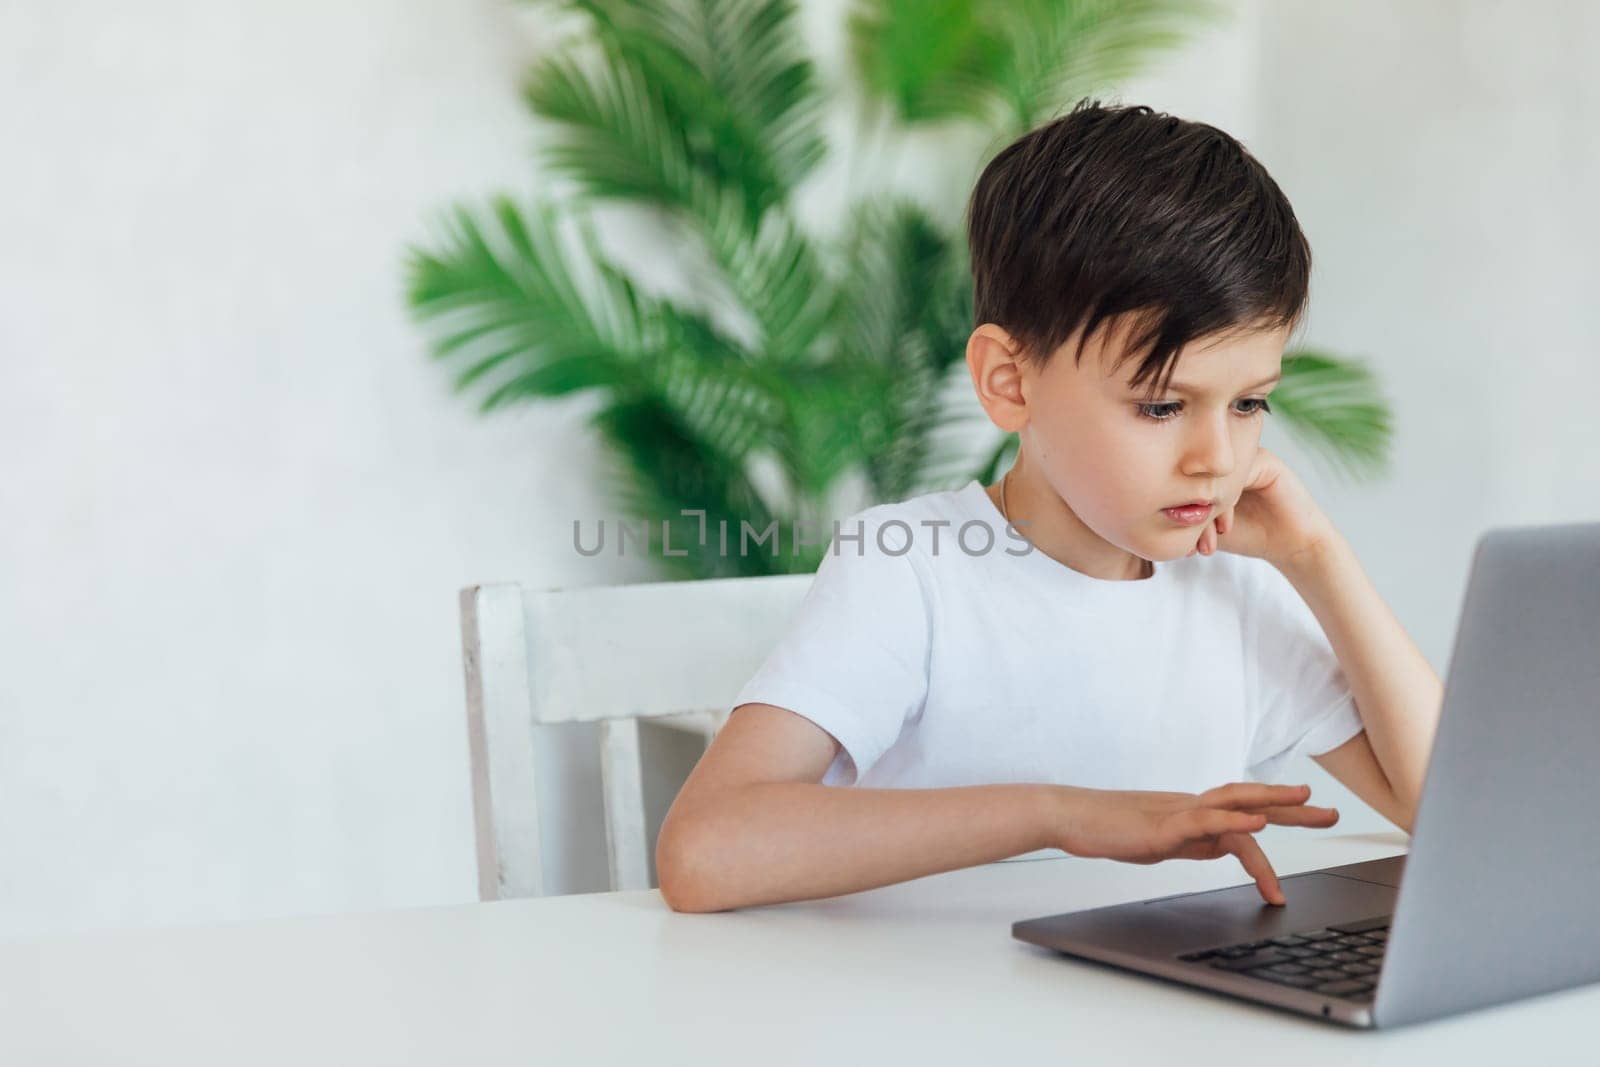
(753, 824)
(1396, 691)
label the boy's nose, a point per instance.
(1210, 451)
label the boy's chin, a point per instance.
(1169, 549)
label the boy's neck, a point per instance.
(1054, 529)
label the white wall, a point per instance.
(238, 500)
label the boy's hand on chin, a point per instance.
(1274, 519)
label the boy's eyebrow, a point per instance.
(1182, 387)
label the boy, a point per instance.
(1161, 604)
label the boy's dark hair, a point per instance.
(1109, 210)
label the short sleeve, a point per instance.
(1300, 702)
(855, 658)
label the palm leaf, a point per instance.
(779, 279)
(505, 295)
(1008, 64)
(635, 128)
(715, 89)
(659, 470)
(931, 59)
(1061, 49)
(717, 395)
(902, 324)
(754, 89)
(826, 414)
(1334, 406)
(617, 137)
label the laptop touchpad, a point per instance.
(1313, 900)
(1386, 871)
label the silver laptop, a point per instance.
(1495, 900)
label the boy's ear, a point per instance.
(996, 362)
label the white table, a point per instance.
(920, 973)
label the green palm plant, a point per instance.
(808, 361)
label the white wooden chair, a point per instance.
(675, 652)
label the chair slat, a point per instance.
(505, 800)
(622, 779)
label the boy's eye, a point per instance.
(1165, 412)
(1159, 412)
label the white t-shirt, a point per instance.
(935, 663)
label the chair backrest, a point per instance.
(611, 655)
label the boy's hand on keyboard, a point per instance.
(1141, 826)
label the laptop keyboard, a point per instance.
(1339, 961)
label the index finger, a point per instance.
(1256, 865)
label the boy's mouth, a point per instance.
(1191, 514)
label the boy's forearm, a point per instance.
(775, 841)
(1396, 690)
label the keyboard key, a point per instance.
(1380, 923)
(1359, 969)
(1370, 950)
(1236, 952)
(1287, 968)
(1330, 974)
(1301, 953)
(1254, 959)
(1344, 987)
(1289, 940)
(1324, 946)
(1345, 957)
(1317, 935)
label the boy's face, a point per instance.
(1118, 457)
